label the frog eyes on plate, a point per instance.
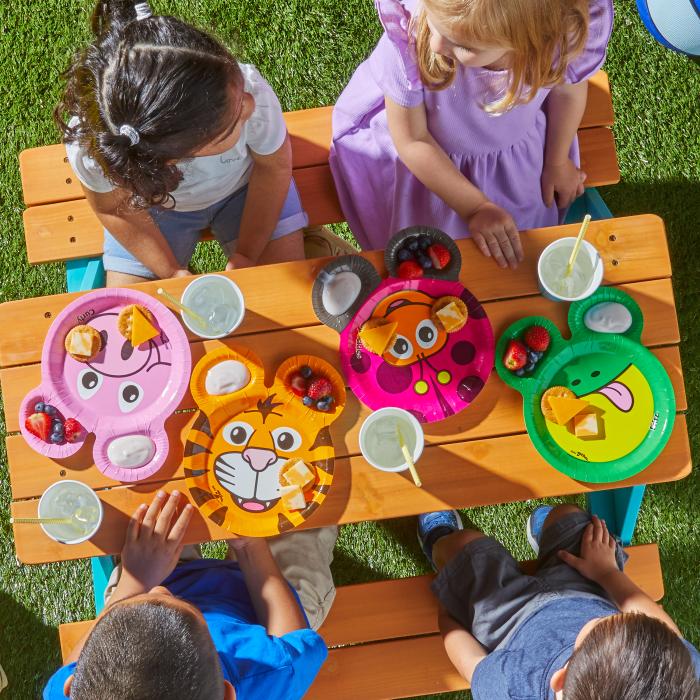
(595, 373)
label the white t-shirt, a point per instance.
(209, 179)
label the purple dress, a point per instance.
(501, 155)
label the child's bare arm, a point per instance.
(597, 562)
(275, 605)
(462, 648)
(267, 191)
(492, 228)
(135, 230)
(565, 106)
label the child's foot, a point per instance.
(535, 525)
(433, 526)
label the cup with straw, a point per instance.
(570, 269)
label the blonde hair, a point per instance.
(542, 36)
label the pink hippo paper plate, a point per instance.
(123, 395)
(425, 369)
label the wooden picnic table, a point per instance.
(481, 456)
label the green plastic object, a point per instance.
(623, 382)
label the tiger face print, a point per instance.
(240, 441)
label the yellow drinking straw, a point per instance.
(407, 456)
(181, 306)
(44, 521)
(577, 245)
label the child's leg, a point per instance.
(305, 557)
(286, 242)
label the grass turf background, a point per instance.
(308, 49)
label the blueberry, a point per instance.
(425, 263)
(305, 371)
(57, 428)
(49, 410)
(55, 438)
(532, 356)
(323, 405)
(424, 242)
(307, 401)
(539, 355)
(412, 245)
(39, 407)
(328, 398)
(530, 366)
(404, 254)
(520, 372)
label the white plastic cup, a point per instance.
(43, 513)
(237, 296)
(405, 416)
(587, 249)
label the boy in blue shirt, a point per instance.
(577, 629)
(202, 629)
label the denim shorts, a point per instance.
(484, 589)
(183, 229)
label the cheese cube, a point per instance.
(296, 473)
(565, 409)
(293, 498)
(587, 425)
(80, 343)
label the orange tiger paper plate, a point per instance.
(244, 434)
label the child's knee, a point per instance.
(451, 545)
(559, 512)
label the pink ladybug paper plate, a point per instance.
(425, 370)
(123, 394)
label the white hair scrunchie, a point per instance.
(143, 10)
(131, 133)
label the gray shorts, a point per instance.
(484, 589)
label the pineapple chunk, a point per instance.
(587, 425)
(293, 498)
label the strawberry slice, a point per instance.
(410, 270)
(72, 430)
(298, 384)
(39, 424)
(319, 388)
(515, 355)
(439, 255)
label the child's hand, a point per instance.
(496, 234)
(597, 552)
(564, 180)
(154, 540)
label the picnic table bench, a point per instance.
(382, 636)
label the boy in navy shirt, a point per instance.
(203, 629)
(577, 629)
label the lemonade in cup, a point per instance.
(379, 441)
(75, 502)
(585, 278)
(218, 300)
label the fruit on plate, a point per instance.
(450, 313)
(439, 255)
(39, 425)
(319, 388)
(295, 472)
(72, 430)
(142, 330)
(377, 335)
(515, 356)
(410, 270)
(298, 384)
(588, 425)
(314, 390)
(293, 498)
(552, 392)
(537, 338)
(83, 343)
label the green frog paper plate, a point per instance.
(608, 403)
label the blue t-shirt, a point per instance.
(522, 667)
(255, 663)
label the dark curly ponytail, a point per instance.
(147, 92)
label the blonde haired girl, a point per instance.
(464, 117)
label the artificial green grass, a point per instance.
(308, 49)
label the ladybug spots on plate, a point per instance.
(360, 362)
(463, 352)
(394, 379)
(469, 387)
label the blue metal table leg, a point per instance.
(619, 508)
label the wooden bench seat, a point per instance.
(59, 224)
(383, 637)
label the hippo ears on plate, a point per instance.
(341, 288)
(607, 311)
(414, 243)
